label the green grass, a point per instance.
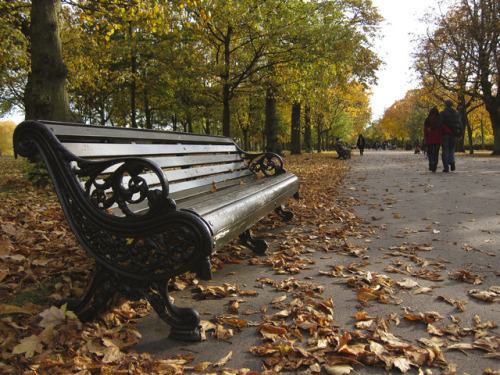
(38, 296)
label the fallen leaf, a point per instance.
(338, 369)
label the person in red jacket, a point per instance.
(433, 138)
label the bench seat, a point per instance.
(151, 205)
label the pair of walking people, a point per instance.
(445, 129)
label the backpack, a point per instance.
(452, 119)
(457, 131)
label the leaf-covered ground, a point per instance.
(42, 263)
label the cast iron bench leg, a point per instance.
(184, 322)
(100, 292)
(258, 246)
(284, 214)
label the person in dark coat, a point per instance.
(433, 138)
(451, 127)
(361, 144)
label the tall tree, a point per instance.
(462, 55)
(46, 95)
(242, 41)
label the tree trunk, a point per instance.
(147, 110)
(246, 141)
(133, 85)
(46, 96)
(462, 110)
(207, 125)
(295, 129)
(272, 144)
(174, 122)
(307, 130)
(102, 115)
(493, 108)
(226, 111)
(226, 88)
(320, 130)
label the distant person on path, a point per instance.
(361, 144)
(433, 138)
(451, 126)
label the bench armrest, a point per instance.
(268, 163)
(125, 184)
(121, 184)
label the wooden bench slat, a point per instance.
(196, 173)
(188, 189)
(100, 150)
(174, 175)
(182, 194)
(209, 203)
(68, 131)
(194, 160)
(231, 212)
(206, 184)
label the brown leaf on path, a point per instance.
(338, 369)
(466, 276)
(403, 364)
(432, 330)
(423, 290)
(224, 360)
(200, 367)
(235, 322)
(363, 315)
(490, 295)
(407, 284)
(279, 299)
(428, 275)
(235, 306)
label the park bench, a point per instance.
(342, 151)
(150, 205)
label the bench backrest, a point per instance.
(193, 164)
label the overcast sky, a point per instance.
(402, 17)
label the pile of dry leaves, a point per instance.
(39, 254)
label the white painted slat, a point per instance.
(66, 131)
(97, 150)
(194, 160)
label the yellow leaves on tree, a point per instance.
(6, 131)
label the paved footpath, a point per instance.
(449, 223)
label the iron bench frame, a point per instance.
(140, 227)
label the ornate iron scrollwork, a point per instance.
(122, 182)
(268, 163)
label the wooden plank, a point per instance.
(199, 172)
(194, 160)
(181, 196)
(209, 181)
(98, 150)
(178, 182)
(258, 187)
(72, 131)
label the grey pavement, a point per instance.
(416, 224)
